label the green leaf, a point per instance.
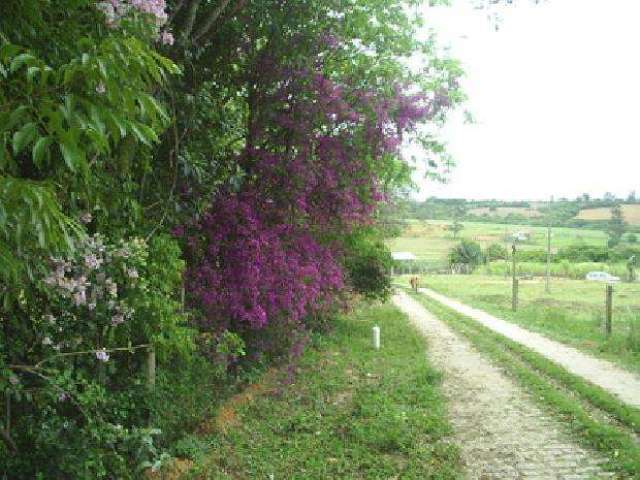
(4, 157)
(144, 133)
(17, 115)
(32, 72)
(153, 108)
(40, 150)
(21, 60)
(24, 137)
(117, 125)
(103, 69)
(73, 156)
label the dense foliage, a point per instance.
(248, 145)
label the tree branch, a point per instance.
(211, 20)
(175, 12)
(7, 439)
(38, 366)
(191, 18)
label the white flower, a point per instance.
(112, 287)
(166, 38)
(102, 355)
(79, 298)
(132, 272)
(92, 261)
(117, 319)
(47, 341)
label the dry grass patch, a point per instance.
(631, 214)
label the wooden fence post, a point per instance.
(151, 368)
(609, 309)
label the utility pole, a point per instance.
(546, 281)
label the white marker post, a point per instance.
(376, 337)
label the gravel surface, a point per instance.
(501, 431)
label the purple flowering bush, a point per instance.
(251, 275)
(269, 257)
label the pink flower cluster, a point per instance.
(84, 290)
(115, 10)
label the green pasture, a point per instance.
(430, 240)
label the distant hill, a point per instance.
(581, 212)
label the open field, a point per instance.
(572, 313)
(631, 214)
(430, 240)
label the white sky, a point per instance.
(556, 96)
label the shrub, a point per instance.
(496, 251)
(368, 268)
(531, 255)
(78, 392)
(467, 255)
(583, 253)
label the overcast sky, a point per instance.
(556, 96)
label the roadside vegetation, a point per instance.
(351, 412)
(596, 417)
(573, 313)
(189, 191)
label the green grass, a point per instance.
(574, 401)
(570, 270)
(352, 413)
(573, 313)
